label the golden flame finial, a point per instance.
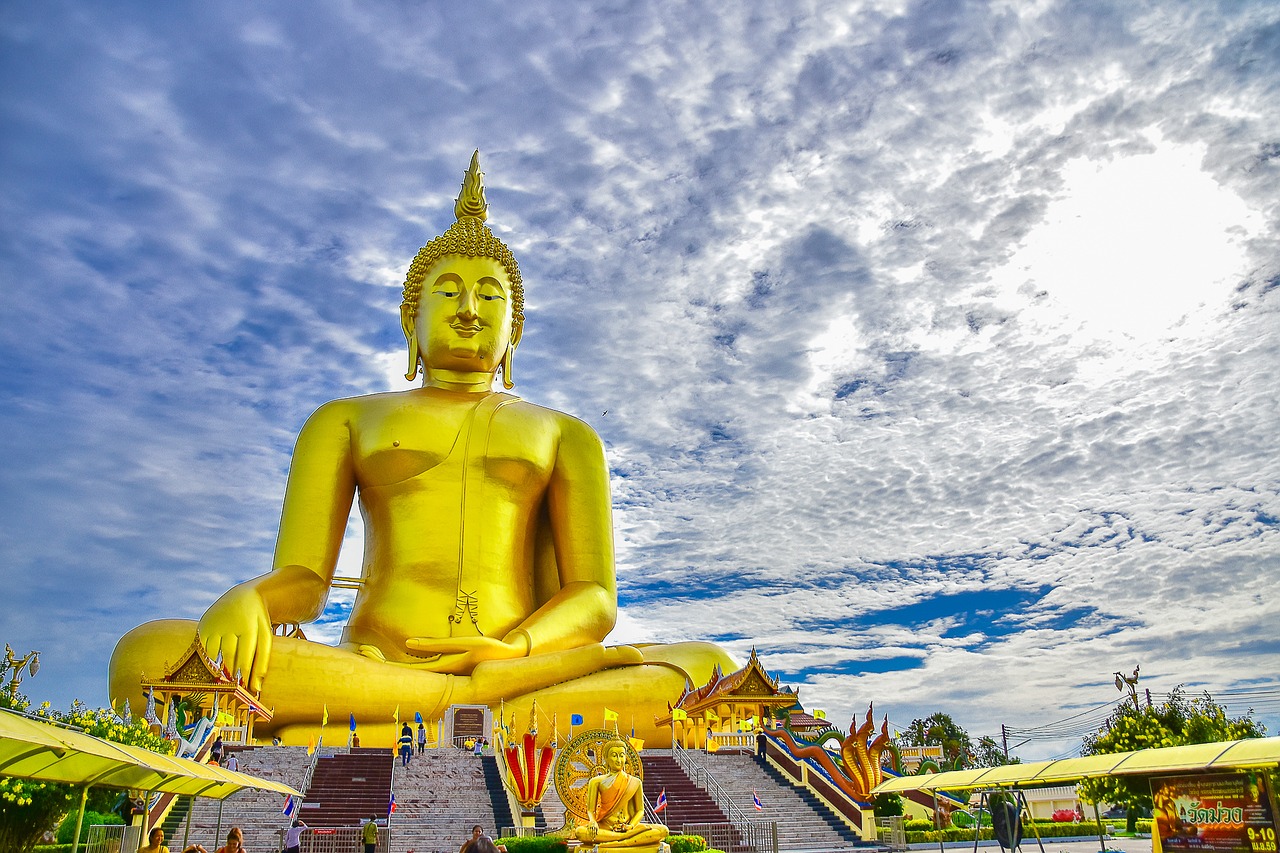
(471, 201)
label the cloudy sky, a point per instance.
(933, 344)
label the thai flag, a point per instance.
(290, 806)
(755, 798)
(391, 806)
(662, 801)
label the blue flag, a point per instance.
(575, 720)
(417, 716)
(353, 722)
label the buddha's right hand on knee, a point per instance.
(238, 627)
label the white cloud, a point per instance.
(784, 249)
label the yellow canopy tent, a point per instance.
(1193, 758)
(31, 749)
(1255, 753)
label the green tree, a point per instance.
(29, 808)
(988, 753)
(1175, 722)
(938, 729)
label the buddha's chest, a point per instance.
(445, 440)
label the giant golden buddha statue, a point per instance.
(488, 562)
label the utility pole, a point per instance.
(1004, 738)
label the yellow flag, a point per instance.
(712, 746)
(819, 714)
(311, 746)
(679, 714)
(610, 716)
(324, 721)
(637, 743)
(396, 716)
(712, 716)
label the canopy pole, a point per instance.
(186, 834)
(937, 819)
(1097, 818)
(977, 827)
(75, 841)
(1026, 806)
(217, 833)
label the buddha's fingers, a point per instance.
(257, 670)
(497, 678)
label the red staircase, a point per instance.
(347, 789)
(686, 802)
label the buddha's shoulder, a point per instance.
(361, 407)
(522, 414)
(510, 410)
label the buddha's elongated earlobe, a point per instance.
(413, 357)
(508, 381)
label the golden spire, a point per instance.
(471, 201)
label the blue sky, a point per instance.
(937, 341)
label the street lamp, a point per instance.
(1130, 681)
(31, 663)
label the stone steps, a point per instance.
(803, 824)
(439, 797)
(257, 813)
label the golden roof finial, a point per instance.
(471, 201)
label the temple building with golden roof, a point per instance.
(726, 705)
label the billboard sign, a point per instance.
(1214, 813)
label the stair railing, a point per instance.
(391, 797)
(753, 830)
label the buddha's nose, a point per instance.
(467, 303)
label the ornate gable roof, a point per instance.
(751, 683)
(197, 668)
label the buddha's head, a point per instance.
(463, 305)
(615, 755)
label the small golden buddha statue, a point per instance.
(488, 561)
(615, 804)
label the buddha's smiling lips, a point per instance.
(467, 331)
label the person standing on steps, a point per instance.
(369, 835)
(406, 745)
(293, 837)
(422, 738)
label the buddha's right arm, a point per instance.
(316, 506)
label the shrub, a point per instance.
(67, 828)
(687, 844)
(888, 805)
(918, 825)
(534, 844)
(1045, 830)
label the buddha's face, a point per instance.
(615, 758)
(464, 315)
